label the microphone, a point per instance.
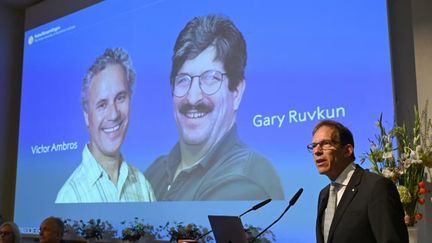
(257, 206)
(295, 197)
(291, 203)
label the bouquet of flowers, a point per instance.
(71, 228)
(96, 229)
(402, 156)
(179, 231)
(137, 229)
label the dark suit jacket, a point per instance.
(369, 211)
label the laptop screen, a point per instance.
(227, 229)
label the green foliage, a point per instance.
(404, 163)
(177, 230)
(137, 229)
(92, 229)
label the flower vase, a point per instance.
(413, 234)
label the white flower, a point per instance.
(388, 155)
(415, 157)
(389, 173)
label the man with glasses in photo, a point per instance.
(357, 206)
(207, 81)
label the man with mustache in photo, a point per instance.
(210, 162)
(103, 175)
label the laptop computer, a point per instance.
(227, 229)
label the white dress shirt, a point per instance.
(343, 179)
(89, 183)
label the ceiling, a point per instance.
(19, 4)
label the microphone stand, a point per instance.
(291, 203)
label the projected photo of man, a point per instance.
(103, 175)
(210, 162)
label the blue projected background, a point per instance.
(307, 61)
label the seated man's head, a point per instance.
(207, 79)
(9, 233)
(51, 230)
(106, 94)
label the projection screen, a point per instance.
(305, 61)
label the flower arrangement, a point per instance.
(177, 230)
(97, 229)
(71, 228)
(92, 229)
(137, 229)
(252, 232)
(402, 156)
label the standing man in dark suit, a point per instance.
(357, 206)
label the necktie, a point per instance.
(330, 210)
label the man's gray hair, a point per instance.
(111, 56)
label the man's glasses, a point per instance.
(209, 82)
(324, 145)
(5, 233)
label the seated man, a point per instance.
(51, 230)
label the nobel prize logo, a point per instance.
(30, 40)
